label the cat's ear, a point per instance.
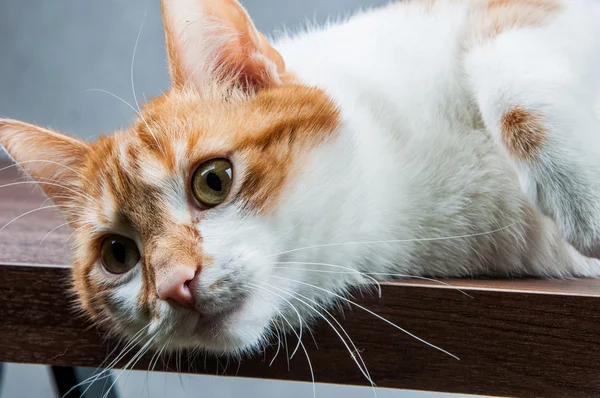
(211, 41)
(50, 158)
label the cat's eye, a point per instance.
(212, 182)
(119, 254)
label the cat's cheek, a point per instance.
(124, 301)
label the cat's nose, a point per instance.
(176, 287)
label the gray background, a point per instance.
(51, 54)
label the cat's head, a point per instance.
(178, 219)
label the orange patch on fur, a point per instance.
(492, 17)
(300, 119)
(489, 18)
(271, 132)
(522, 133)
(180, 246)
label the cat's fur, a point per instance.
(428, 138)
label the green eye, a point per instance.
(119, 254)
(212, 182)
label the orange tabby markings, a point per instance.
(179, 246)
(522, 132)
(502, 15)
(493, 17)
(300, 119)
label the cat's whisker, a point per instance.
(287, 351)
(370, 312)
(25, 214)
(354, 352)
(312, 336)
(312, 373)
(153, 365)
(131, 74)
(41, 182)
(45, 161)
(273, 242)
(114, 96)
(102, 375)
(367, 242)
(77, 192)
(132, 362)
(278, 334)
(300, 320)
(128, 347)
(275, 326)
(366, 274)
(48, 234)
(74, 232)
(54, 197)
(106, 371)
(158, 354)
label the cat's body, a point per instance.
(417, 160)
(435, 138)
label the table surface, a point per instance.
(513, 337)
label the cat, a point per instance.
(443, 138)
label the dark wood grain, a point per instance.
(20, 240)
(516, 338)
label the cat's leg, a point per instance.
(538, 91)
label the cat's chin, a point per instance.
(226, 339)
(236, 331)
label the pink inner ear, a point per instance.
(207, 39)
(50, 158)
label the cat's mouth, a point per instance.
(218, 318)
(232, 328)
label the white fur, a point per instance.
(417, 181)
(416, 160)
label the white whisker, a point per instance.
(372, 313)
(366, 274)
(46, 161)
(142, 351)
(49, 184)
(312, 374)
(48, 234)
(25, 214)
(132, 79)
(117, 97)
(366, 242)
(352, 352)
(300, 321)
(106, 372)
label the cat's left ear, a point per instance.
(50, 158)
(211, 41)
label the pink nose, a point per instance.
(176, 287)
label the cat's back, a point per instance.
(406, 54)
(397, 74)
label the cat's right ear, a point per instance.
(213, 42)
(50, 158)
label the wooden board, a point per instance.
(516, 338)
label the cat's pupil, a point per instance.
(118, 251)
(214, 182)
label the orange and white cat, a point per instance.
(426, 138)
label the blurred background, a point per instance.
(54, 55)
